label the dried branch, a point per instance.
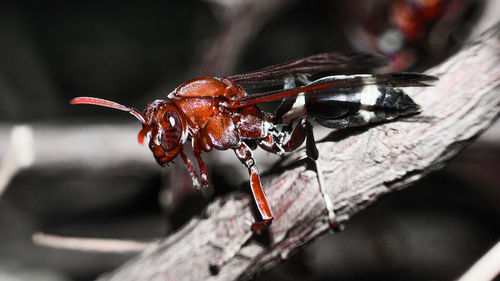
(486, 268)
(95, 245)
(18, 155)
(357, 170)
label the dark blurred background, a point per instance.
(81, 172)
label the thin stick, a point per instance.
(486, 268)
(97, 245)
(19, 155)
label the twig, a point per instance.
(357, 170)
(96, 245)
(486, 268)
(19, 155)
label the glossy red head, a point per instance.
(162, 122)
(166, 128)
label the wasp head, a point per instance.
(166, 129)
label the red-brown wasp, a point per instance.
(219, 113)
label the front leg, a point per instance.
(244, 153)
(203, 170)
(192, 172)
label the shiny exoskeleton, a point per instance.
(218, 113)
(357, 106)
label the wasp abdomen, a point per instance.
(395, 99)
(368, 104)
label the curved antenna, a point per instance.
(111, 104)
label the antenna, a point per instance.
(111, 104)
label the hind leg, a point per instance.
(288, 139)
(244, 153)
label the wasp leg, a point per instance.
(203, 168)
(192, 172)
(312, 153)
(288, 103)
(274, 141)
(244, 153)
(332, 218)
(284, 107)
(311, 149)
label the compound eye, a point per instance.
(171, 134)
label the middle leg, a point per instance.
(192, 172)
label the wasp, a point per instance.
(222, 113)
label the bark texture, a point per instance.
(357, 170)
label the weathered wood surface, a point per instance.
(357, 170)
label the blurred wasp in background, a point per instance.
(414, 34)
